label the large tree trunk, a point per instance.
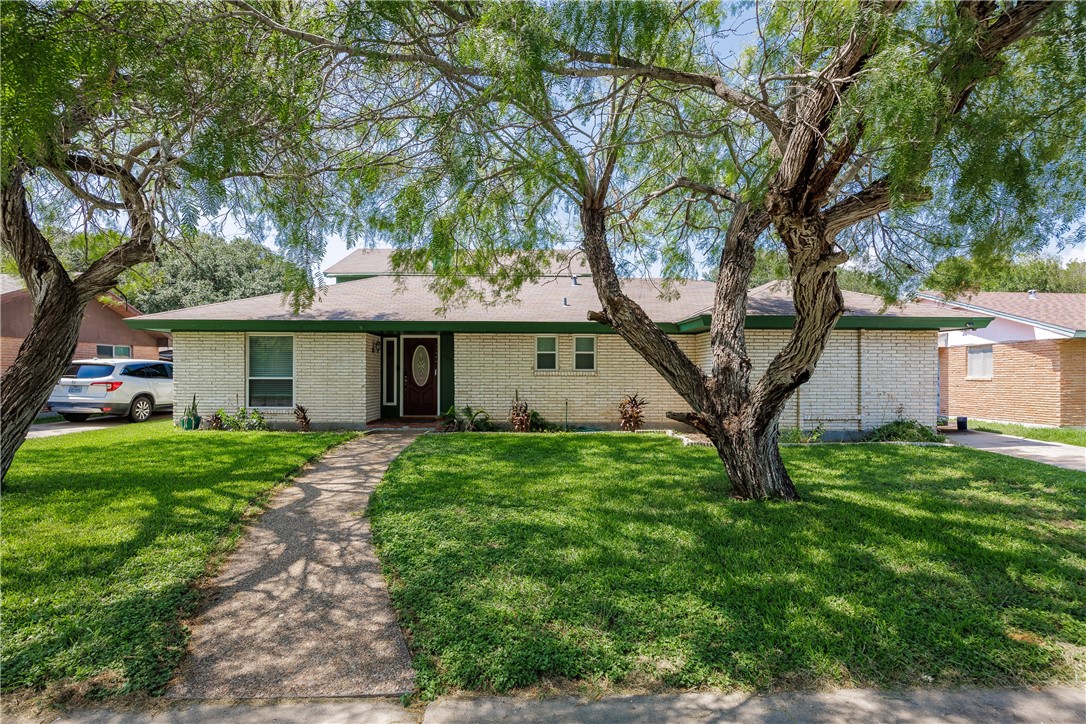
(58, 301)
(43, 356)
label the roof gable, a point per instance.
(1062, 312)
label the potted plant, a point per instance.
(190, 418)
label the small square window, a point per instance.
(584, 353)
(104, 350)
(980, 362)
(546, 353)
(122, 351)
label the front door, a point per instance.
(420, 376)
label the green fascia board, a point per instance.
(703, 322)
(323, 325)
(694, 325)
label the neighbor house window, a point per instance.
(113, 350)
(584, 353)
(388, 369)
(546, 353)
(271, 371)
(980, 362)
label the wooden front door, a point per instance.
(420, 376)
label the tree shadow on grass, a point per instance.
(616, 556)
(103, 537)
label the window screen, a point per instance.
(271, 371)
(980, 362)
(546, 353)
(584, 353)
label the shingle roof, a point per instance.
(1067, 311)
(384, 299)
(371, 262)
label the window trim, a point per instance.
(595, 345)
(979, 349)
(535, 359)
(293, 369)
(112, 351)
(395, 400)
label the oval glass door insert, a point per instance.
(420, 366)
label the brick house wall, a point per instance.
(865, 377)
(1041, 382)
(491, 368)
(330, 376)
(100, 325)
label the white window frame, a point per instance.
(395, 391)
(113, 351)
(293, 370)
(595, 345)
(536, 353)
(977, 352)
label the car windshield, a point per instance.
(87, 371)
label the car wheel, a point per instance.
(141, 409)
(75, 418)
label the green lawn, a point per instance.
(619, 561)
(1068, 435)
(104, 533)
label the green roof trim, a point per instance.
(694, 325)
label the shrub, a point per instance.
(793, 435)
(632, 409)
(467, 420)
(520, 416)
(218, 420)
(301, 416)
(904, 431)
(243, 419)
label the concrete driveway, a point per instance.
(1070, 457)
(51, 429)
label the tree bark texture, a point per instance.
(58, 300)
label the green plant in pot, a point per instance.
(190, 418)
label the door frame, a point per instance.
(437, 371)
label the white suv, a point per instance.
(132, 387)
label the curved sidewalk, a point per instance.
(300, 609)
(1070, 457)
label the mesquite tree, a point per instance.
(141, 119)
(883, 128)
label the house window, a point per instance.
(271, 371)
(980, 362)
(388, 369)
(584, 354)
(113, 350)
(546, 353)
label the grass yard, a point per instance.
(105, 532)
(619, 561)
(1067, 435)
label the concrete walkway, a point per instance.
(1071, 457)
(301, 609)
(1059, 705)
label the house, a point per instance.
(102, 334)
(1027, 366)
(377, 346)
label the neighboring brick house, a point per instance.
(102, 334)
(1028, 365)
(374, 347)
